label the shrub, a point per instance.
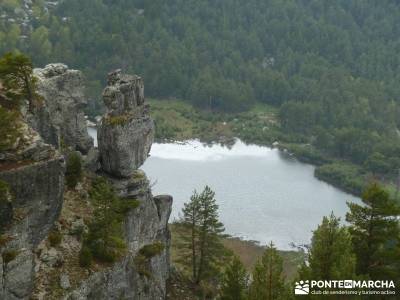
(74, 170)
(9, 255)
(117, 120)
(4, 239)
(142, 259)
(152, 250)
(105, 249)
(55, 238)
(142, 265)
(85, 257)
(78, 232)
(345, 176)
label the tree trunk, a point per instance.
(194, 246)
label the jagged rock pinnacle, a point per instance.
(127, 131)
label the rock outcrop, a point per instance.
(125, 137)
(33, 171)
(34, 174)
(61, 120)
(145, 225)
(127, 131)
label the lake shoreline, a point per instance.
(266, 186)
(355, 191)
(177, 120)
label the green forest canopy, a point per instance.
(332, 66)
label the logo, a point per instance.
(345, 287)
(302, 288)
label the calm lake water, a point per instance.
(263, 194)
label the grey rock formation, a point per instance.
(51, 257)
(61, 120)
(37, 189)
(64, 282)
(144, 226)
(127, 131)
(123, 94)
(18, 276)
(91, 161)
(6, 211)
(125, 137)
(34, 172)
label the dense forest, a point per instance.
(331, 67)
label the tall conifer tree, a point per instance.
(331, 253)
(268, 281)
(235, 281)
(202, 237)
(375, 232)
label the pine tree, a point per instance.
(73, 173)
(268, 281)
(235, 281)
(202, 237)
(16, 76)
(331, 253)
(105, 237)
(375, 232)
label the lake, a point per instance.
(263, 194)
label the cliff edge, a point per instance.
(42, 221)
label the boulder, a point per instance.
(64, 282)
(51, 257)
(18, 276)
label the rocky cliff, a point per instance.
(33, 264)
(125, 137)
(60, 119)
(34, 174)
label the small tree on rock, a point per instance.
(105, 238)
(73, 173)
(16, 76)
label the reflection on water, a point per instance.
(263, 194)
